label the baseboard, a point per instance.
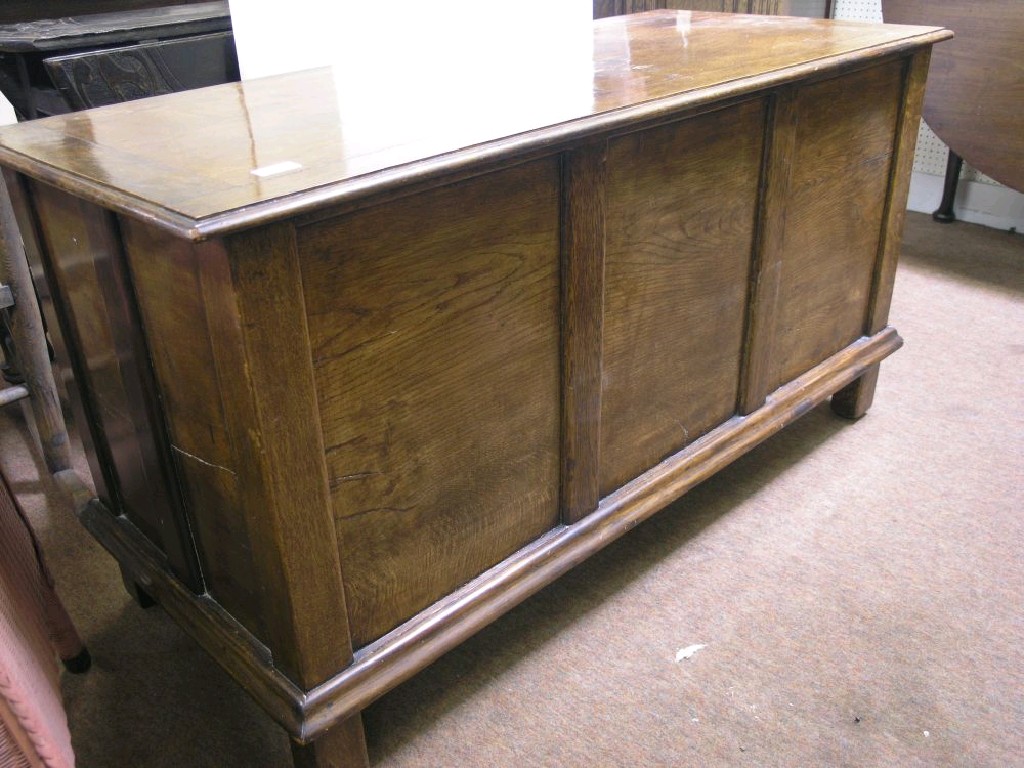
(986, 204)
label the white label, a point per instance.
(276, 169)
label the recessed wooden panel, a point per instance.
(681, 212)
(841, 164)
(186, 303)
(86, 264)
(433, 323)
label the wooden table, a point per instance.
(355, 385)
(973, 101)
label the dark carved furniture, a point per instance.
(112, 75)
(30, 33)
(33, 32)
(355, 387)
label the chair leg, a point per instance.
(72, 651)
(30, 340)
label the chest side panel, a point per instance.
(186, 305)
(86, 265)
(840, 177)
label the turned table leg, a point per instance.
(343, 746)
(853, 400)
(944, 213)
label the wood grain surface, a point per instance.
(681, 211)
(57, 320)
(423, 380)
(895, 209)
(834, 214)
(976, 85)
(342, 746)
(582, 280)
(854, 400)
(385, 664)
(112, 371)
(435, 339)
(269, 389)
(422, 640)
(756, 378)
(227, 321)
(185, 295)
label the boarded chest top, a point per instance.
(219, 159)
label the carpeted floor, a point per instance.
(858, 590)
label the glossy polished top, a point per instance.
(219, 159)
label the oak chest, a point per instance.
(359, 375)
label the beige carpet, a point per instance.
(858, 590)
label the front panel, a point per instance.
(681, 205)
(433, 322)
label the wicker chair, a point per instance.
(35, 630)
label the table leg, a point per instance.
(343, 746)
(944, 213)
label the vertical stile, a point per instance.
(854, 400)
(766, 266)
(281, 460)
(583, 245)
(905, 142)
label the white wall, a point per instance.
(406, 60)
(302, 34)
(989, 204)
(6, 112)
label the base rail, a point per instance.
(400, 654)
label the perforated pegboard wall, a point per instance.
(931, 151)
(859, 10)
(931, 155)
